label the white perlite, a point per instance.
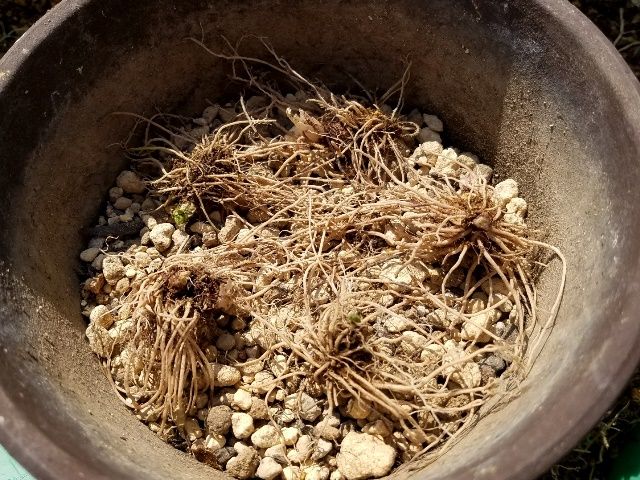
(266, 436)
(242, 399)
(242, 425)
(291, 473)
(505, 191)
(278, 453)
(290, 435)
(160, 235)
(113, 269)
(101, 316)
(225, 375)
(364, 456)
(304, 404)
(268, 469)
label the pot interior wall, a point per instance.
(509, 85)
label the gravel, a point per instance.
(266, 436)
(364, 456)
(268, 469)
(129, 182)
(160, 236)
(254, 423)
(245, 464)
(219, 420)
(242, 425)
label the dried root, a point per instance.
(385, 275)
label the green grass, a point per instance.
(598, 456)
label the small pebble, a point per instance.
(412, 343)
(192, 429)
(115, 193)
(95, 284)
(122, 286)
(242, 399)
(433, 122)
(142, 259)
(505, 191)
(415, 116)
(316, 472)
(226, 375)
(325, 431)
(290, 435)
(147, 205)
(428, 135)
(495, 362)
(322, 449)
(358, 409)
(259, 409)
(219, 420)
(265, 437)
(215, 442)
(336, 475)
(278, 453)
(210, 113)
(244, 465)
(160, 235)
(304, 446)
(238, 324)
(96, 242)
(223, 455)
(122, 203)
(364, 456)
(291, 473)
(113, 269)
(268, 469)
(226, 342)
(379, 427)
(149, 220)
(102, 316)
(304, 404)
(242, 425)
(279, 365)
(129, 182)
(231, 228)
(474, 327)
(180, 238)
(287, 416)
(201, 228)
(90, 254)
(263, 382)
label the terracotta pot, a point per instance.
(531, 86)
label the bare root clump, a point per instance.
(327, 255)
